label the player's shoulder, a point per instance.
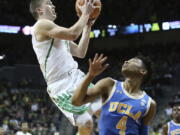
(44, 24)
(153, 102)
(152, 105)
(107, 81)
(44, 21)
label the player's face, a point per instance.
(48, 9)
(176, 112)
(133, 66)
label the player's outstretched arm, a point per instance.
(49, 29)
(83, 94)
(148, 118)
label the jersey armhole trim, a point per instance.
(111, 94)
(148, 106)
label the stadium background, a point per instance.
(124, 29)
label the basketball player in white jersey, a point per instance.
(54, 48)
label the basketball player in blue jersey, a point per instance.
(127, 109)
(173, 127)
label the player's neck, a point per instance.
(45, 17)
(177, 121)
(132, 85)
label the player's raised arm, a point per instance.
(83, 94)
(49, 29)
(81, 49)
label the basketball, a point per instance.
(96, 11)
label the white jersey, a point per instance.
(59, 60)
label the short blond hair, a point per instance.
(34, 4)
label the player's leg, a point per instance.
(62, 98)
(78, 116)
(85, 121)
(95, 107)
(84, 130)
(85, 124)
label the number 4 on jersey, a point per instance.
(121, 125)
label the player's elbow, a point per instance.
(78, 52)
(81, 55)
(74, 36)
(74, 33)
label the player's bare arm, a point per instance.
(46, 29)
(165, 130)
(151, 113)
(81, 49)
(83, 94)
(148, 118)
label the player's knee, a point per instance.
(88, 125)
(85, 121)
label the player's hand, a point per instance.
(88, 7)
(97, 66)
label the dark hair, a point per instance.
(148, 66)
(34, 4)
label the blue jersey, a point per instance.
(173, 128)
(122, 113)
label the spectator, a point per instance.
(24, 129)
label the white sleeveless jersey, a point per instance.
(58, 62)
